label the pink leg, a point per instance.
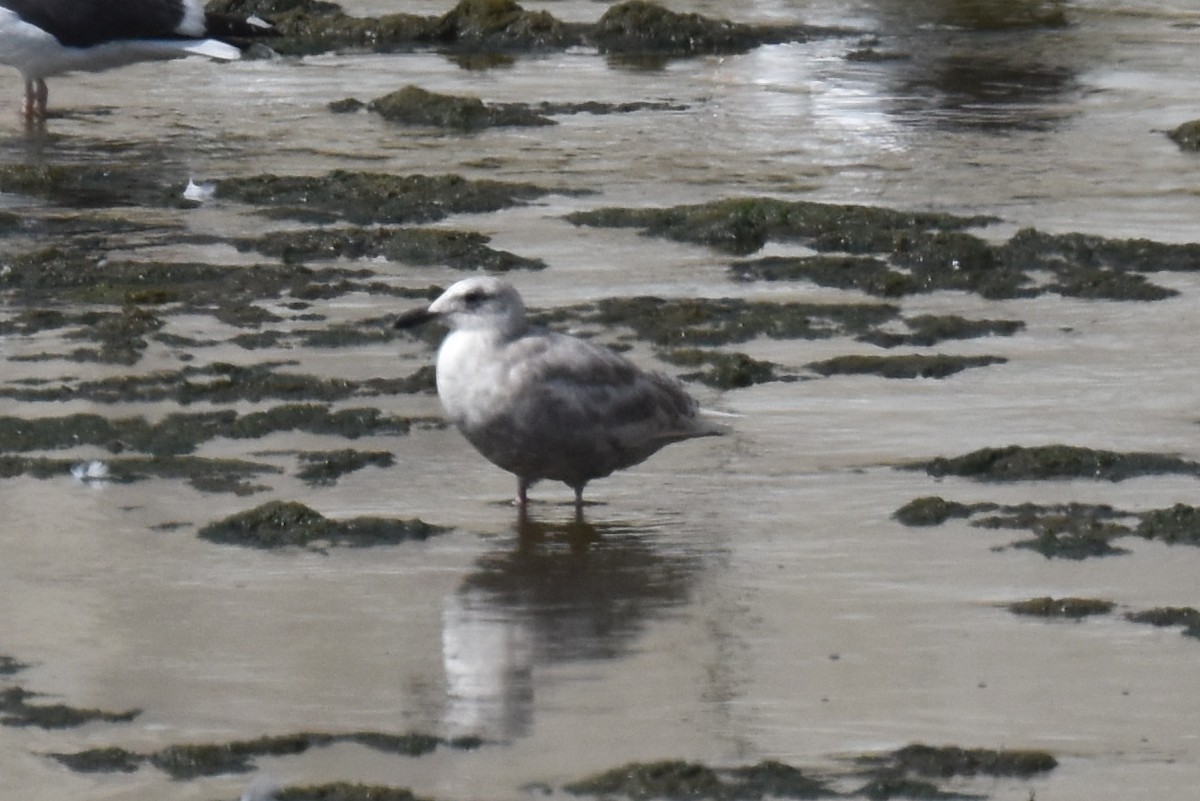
(36, 94)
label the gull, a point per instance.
(41, 38)
(544, 405)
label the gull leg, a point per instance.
(36, 95)
(522, 494)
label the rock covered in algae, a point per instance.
(280, 524)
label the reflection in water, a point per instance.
(984, 91)
(571, 591)
(978, 65)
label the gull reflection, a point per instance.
(557, 593)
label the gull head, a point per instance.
(482, 303)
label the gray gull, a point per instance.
(540, 404)
(41, 38)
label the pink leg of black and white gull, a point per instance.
(44, 38)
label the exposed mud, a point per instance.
(1069, 608)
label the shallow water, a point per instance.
(730, 600)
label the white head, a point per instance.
(480, 303)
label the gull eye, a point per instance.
(474, 298)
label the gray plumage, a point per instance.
(544, 405)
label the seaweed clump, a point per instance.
(413, 105)
(326, 467)
(1018, 463)
(640, 27)
(916, 365)
(281, 524)
(724, 370)
(15, 710)
(1069, 608)
(1186, 616)
(364, 198)
(1070, 531)
(892, 253)
(684, 781)
(191, 760)
(1187, 135)
(462, 250)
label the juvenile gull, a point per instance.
(41, 38)
(545, 405)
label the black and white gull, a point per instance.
(42, 38)
(545, 405)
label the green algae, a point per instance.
(90, 186)
(101, 760)
(463, 250)
(741, 226)
(932, 511)
(203, 474)
(313, 26)
(345, 791)
(501, 25)
(1185, 616)
(1039, 463)
(1178, 525)
(689, 322)
(364, 198)
(10, 666)
(194, 760)
(180, 433)
(504, 27)
(916, 365)
(281, 524)
(1068, 608)
(637, 26)
(925, 330)
(15, 710)
(881, 788)
(1069, 531)
(947, 761)
(678, 780)
(413, 105)
(723, 370)
(324, 468)
(891, 253)
(219, 382)
(1186, 135)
